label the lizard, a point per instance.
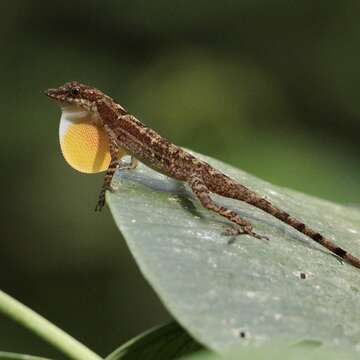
(127, 135)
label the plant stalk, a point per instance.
(45, 329)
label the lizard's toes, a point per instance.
(232, 231)
(237, 231)
(257, 236)
(99, 206)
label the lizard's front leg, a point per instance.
(115, 164)
(203, 194)
(107, 183)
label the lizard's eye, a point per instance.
(75, 91)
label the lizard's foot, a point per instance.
(100, 204)
(244, 230)
(101, 201)
(122, 165)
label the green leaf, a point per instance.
(13, 356)
(165, 342)
(247, 291)
(276, 351)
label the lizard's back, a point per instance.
(155, 151)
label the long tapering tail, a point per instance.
(266, 206)
(215, 182)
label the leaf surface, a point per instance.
(247, 291)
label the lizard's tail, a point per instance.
(237, 191)
(265, 205)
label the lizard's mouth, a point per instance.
(59, 97)
(51, 93)
(54, 95)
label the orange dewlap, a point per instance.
(85, 147)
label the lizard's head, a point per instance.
(83, 141)
(75, 93)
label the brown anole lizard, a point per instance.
(125, 132)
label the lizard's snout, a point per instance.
(51, 93)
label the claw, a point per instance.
(237, 231)
(260, 237)
(233, 231)
(99, 205)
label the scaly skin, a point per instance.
(142, 143)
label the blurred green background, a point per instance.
(268, 86)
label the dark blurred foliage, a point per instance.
(268, 86)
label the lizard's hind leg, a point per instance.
(203, 194)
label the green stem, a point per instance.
(45, 329)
